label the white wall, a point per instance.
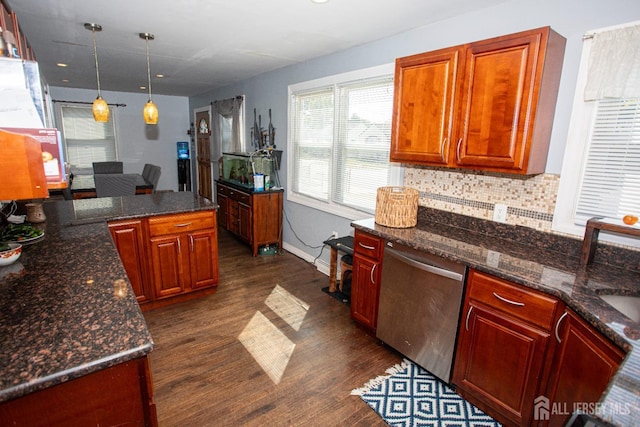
(570, 18)
(139, 143)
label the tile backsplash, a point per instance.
(530, 200)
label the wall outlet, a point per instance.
(334, 234)
(493, 259)
(500, 212)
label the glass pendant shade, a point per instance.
(150, 113)
(100, 110)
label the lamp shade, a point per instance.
(100, 110)
(150, 113)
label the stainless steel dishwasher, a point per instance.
(419, 309)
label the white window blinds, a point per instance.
(85, 140)
(340, 140)
(611, 180)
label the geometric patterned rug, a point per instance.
(411, 396)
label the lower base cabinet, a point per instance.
(129, 238)
(517, 346)
(116, 396)
(169, 257)
(583, 365)
(502, 347)
(365, 282)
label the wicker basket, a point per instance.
(397, 207)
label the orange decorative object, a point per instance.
(100, 110)
(630, 219)
(150, 113)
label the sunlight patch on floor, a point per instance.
(268, 346)
(291, 309)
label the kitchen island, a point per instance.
(71, 328)
(550, 265)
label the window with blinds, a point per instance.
(601, 168)
(340, 139)
(85, 140)
(611, 180)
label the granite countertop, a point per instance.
(66, 306)
(553, 270)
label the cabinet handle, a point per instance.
(191, 242)
(558, 326)
(184, 224)
(466, 322)
(444, 143)
(366, 247)
(372, 271)
(458, 150)
(508, 301)
(179, 247)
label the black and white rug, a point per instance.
(411, 396)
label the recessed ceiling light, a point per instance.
(319, 1)
(60, 64)
(159, 76)
(65, 80)
(142, 87)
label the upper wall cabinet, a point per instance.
(487, 105)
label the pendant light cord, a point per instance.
(95, 55)
(148, 68)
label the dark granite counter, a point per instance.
(66, 306)
(551, 265)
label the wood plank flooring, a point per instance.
(204, 375)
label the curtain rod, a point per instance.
(234, 97)
(87, 103)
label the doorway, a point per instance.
(203, 153)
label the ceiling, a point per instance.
(201, 45)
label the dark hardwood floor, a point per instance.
(204, 375)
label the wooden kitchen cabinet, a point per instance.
(184, 253)
(254, 217)
(583, 365)
(119, 395)
(487, 105)
(129, 238)
(365, 279)
(21, 159)
(518, 322)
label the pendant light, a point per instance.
(150, 111)
(100, 108)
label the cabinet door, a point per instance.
(583, 365)
(365, 289)
(499, 363)
(129, 239)
(267, 219)
(233, 221)
(425, 88)
(169, 275)
(501, 126)
(244, 222)
(203, 259)
(223, 215)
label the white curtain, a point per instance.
(614, 64)
(229, 110)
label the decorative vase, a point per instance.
(35, 213)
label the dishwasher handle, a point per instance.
(423, 266)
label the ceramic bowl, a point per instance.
(10, 255)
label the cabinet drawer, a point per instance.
(367, 245)
(172, 224)
(221, 189)
(240, 196)
(516, 300)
